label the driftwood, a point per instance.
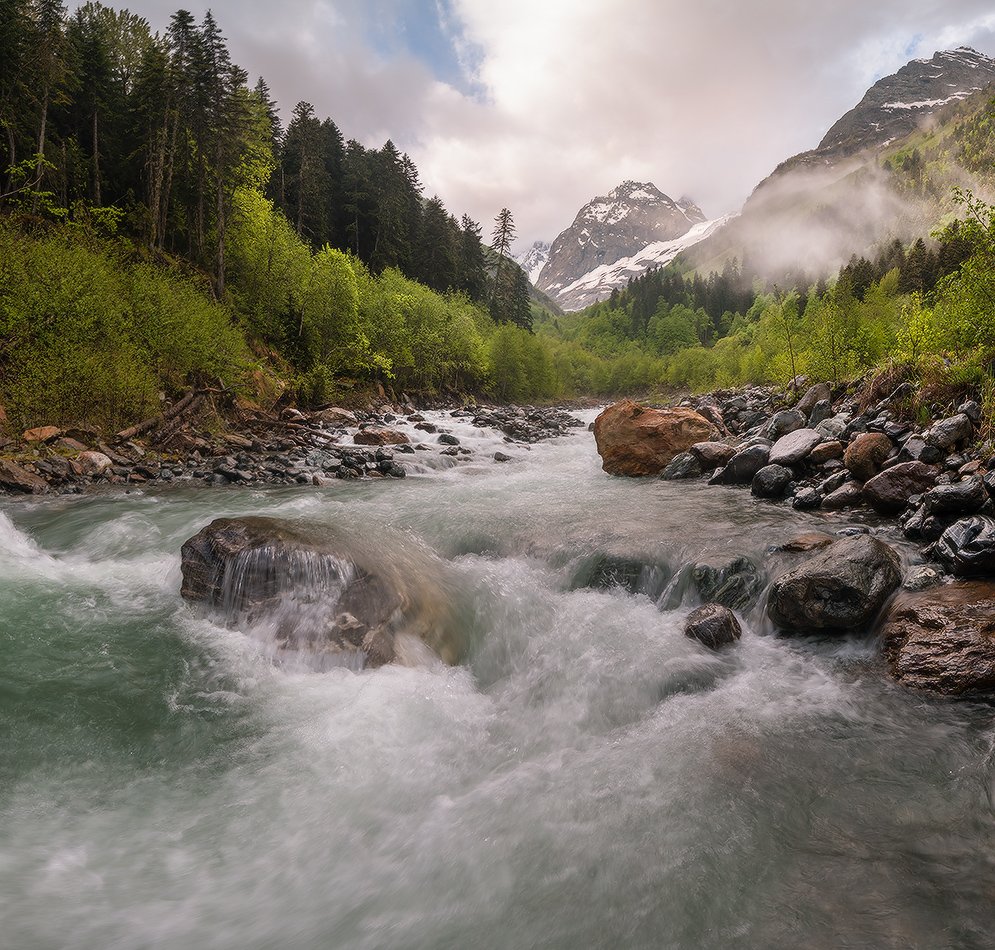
(190, 401)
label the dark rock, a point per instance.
(446, 439)
(915, 449)
(430, 427)
(637, 575)
(949, 432)
(890, 491)
(713, 625)
(783, 422)
(943, 639)
(833, 428)
(918, 524)
(501, 457)
(842, 588)
(734, 583)
(771, 481)
(16, 478)
(806, 499)
(820, 392)
(866, 454)
(711, 455)
(821, 411)
(963, 498)
(794, 447)
(681, 466)
(971, 409)
(742, 466)
(967, 547)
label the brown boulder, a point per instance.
(375, 436)
(636, 440)
(810, 541)
(17, 478)
(41, 434)
(943, 639)
(889, 492)
(335, 415)
(826, 451)
(866, 454)
(713, 625)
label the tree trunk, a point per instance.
(96, 163)
(40, 165)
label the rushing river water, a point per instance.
(587, 778)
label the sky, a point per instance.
(540, 105)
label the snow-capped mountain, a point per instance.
(534, 260)
(596, 284)
(608, 229)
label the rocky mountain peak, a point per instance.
(895, 105)
(613, 226)
(533, 260)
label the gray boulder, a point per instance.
(711, 455)
(783, 422)
(713, 625)
(842, 588)
(771, 481)
(794, 447)
(967, 547)
(742, 466)
(948, 432)
(889, 492)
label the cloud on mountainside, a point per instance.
(540, 106)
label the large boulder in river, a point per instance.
(967, 547)
(890, 491)
(377, 436)
(743, 466)
(943, 639)
(636, 440)
(323, 596)
(841, 588)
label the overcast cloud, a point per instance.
(539, 105)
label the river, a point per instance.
(588, 777)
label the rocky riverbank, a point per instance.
(253, 447)
(846, 451)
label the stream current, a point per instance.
(587, 777)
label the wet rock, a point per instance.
(803, 543)
(771, 481)
(783, 422)
(967, 547)
(866, 455)
(682, 466)
(918, 524)
(501, 457)
(949, 432)
(429, 427)
(711, 455)
(820, 392)
(848, 495)
(922, 578)
(634, 440)
(962, 498)
(890, 491)
(743, 466)
(915, 449)
(943, 639)
(842, 588)
(42, 434)
(734, 583)
(603, 571)
(446, 439)
(821, 411)
(794, 447)
(713, 625)
(806, 499)
(378, 436)
(16, 478)
(826, 451)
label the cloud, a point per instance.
(539, 106)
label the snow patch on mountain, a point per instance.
(598, 283)
(533, 260)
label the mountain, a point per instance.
(884, 170)
(534, 260)
(606, 230)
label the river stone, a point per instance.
(834, 427)
(771, 481)
(783, 422)
(889, 492)
(742, 466)
(848, 495)
(339, 601)
(446, 439)
(735, 583)
(943, 639)
(334, 415)
(803, 543)
(842, 588)
(91, 463)
(713, 625)
(806, 499)
(963, 498)
(820, 392)
(635, 440)
(41, 434)
(378, 436)
(949, 432)
(17, 478)
(795, 447)
(821, 411)
(712, 454)
(967, 547)
(681, 466)
(922, 578)
(637, 575)
(866, 454)
(826, 451)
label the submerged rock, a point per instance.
(735, 583)
(635, 440)
(603, 571)
(319, 597)
(842, 588)
(712, 625)
(943, 639)
(682, 466)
